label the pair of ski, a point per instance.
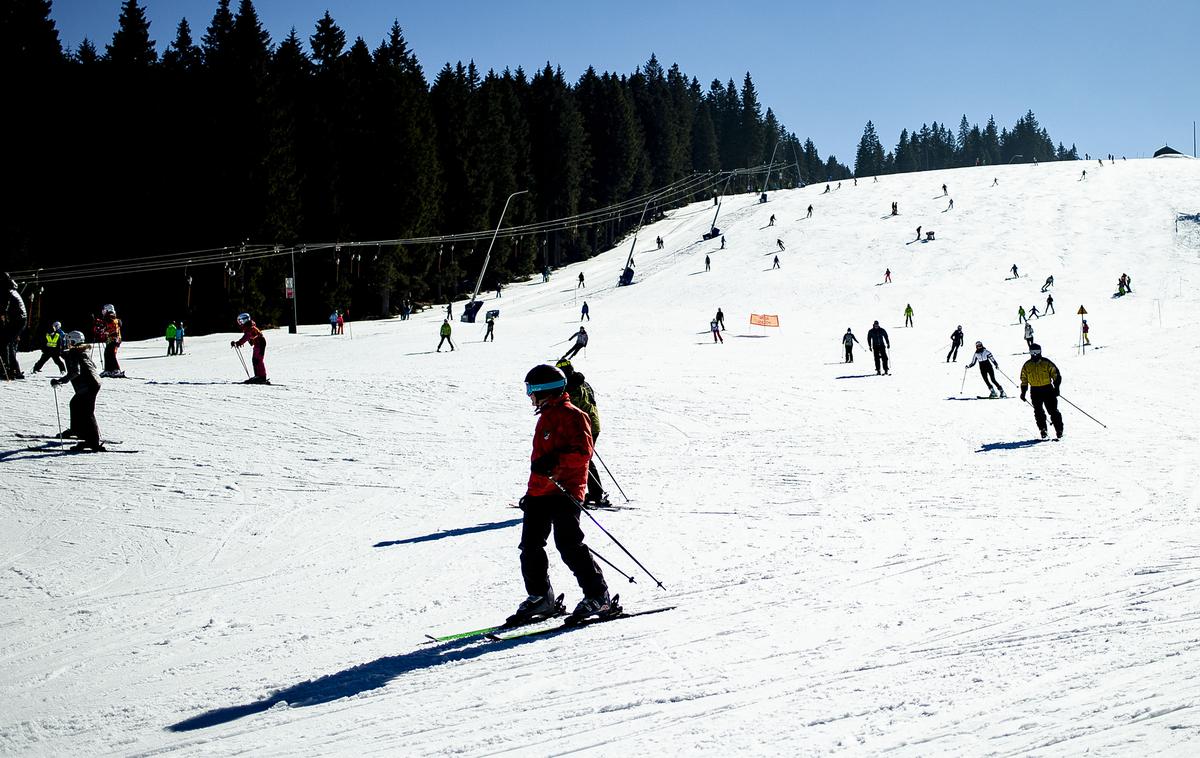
(51, 443)
(508, 631)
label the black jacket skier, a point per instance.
(10, 332)
(877, 340)
(956, 340)
(848, 340)
(81, 373)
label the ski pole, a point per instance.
(610, 475)
(243, 360)
(606, 532)
(611, 566)
(1076, 407)
(964, 381)
(57, 415)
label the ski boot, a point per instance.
(88, 447)
(536, 608)
(1045, 434)
(600, 502)
(594, 607)
(993, 394)
(1002, 392)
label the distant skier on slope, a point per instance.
(877, 340)
(12, 324)
(580, 284)
(252, 334)
(81, 373)
(716, 331)
(887, 276)
(986, 361)
(1029, 334)
(775, 265)
(1044, 377)
(1014, 271)
(581, 340)
(810, 210)
(111, 330)
(956, 340)
(1033, 312)
(585, 312)
(848, 340)
(780, 243)
(444, 330)
(1049, 303)
(1048, 283)
(52, 348)
(1021, 314)
(772, 221)
(908, 314)
(720, 318)
(562, 447)
(491, 328)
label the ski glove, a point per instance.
(53, 382)
(544, 465)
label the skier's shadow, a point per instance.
(987, 447)
(854, 376)
(352, 681)
(452, 533)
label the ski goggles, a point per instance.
(1035, 352)
(532, 388)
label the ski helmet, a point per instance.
(107, 309)
(564, 364)
(1035, 349)
(543, 378)
(243, 319)
(978, 344)
(73, 339)
(56, 325)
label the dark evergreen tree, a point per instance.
(868, 160)
(183, 54)
(131, 44)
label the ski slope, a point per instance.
(861, 565)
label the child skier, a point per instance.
(52, 348)
(444, 331)
(716, 331)
(986, 361)
(81, 373)
(848, 340)
(562, 447)
(111, 330)
(252, 334)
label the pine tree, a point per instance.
(28, 37)
(216, 42)
(328, 42)
(751, 125)
(868, 160)
(131, 43)
(183, 54)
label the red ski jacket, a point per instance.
(252, 334)
(564, 433)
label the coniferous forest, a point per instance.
(195, 179)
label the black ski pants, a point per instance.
(574, 349)
(1045, 400)
(557, 513)
(849, 354)
(489, 334)
(953, 354)
(989, 376)
(49, 354)
(443, 341)
(10, 337)
(83, 415)
(110, 357)
(881, 357)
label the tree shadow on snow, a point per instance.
(987, 447)
(352, 681)
(452, 533)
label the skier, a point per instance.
(581, 340)
(562, 447)
(583, 397)
(720, 319)
(1083, 175)
(444, 331)
(1033, 312)
(581, 284)
(995, 181)
(252, 334)
(333, 320)
(707, 263)
(780, 243)
(1044, 377)
(1029, 334)
(1128, 283)
(81, 373)
(1048, 283)
(170, 337)
(1021, 314)
(956, 340)
(584, 312)
(848, 340)
(449, 311)
(826, 192)
(341, 323)
(111, 330)
(1085, 329)
(776, 264)
(545, 274)
(716, 331)
(895, 209)
(810, 210)
(918, 239)
(179, 334)
(951, 206)
(944, 191)
(887, 276)
(986, 361)
(52, 348)
(14, 317)
(491, 327)
(722, 241)
(1049, 303)
(1014, 270)
(772, 221)
(908, 314)
(498, 287)
(877, 340)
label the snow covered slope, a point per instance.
(861, 564)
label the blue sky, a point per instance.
(1115, 77)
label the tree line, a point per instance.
(230, 139)
(936, 147)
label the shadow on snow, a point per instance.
(452, 533)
